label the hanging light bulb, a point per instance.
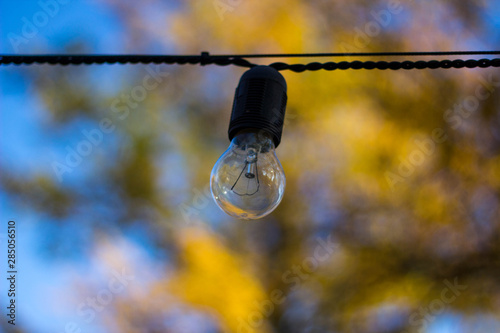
(247, 181)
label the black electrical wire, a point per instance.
(393, 65)
(238, 60)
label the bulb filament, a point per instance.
(251, 176)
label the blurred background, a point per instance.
(390, 220)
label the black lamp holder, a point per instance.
(259, 103)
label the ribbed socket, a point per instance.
(259, 103)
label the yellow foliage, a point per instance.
(214, 277)
(281, 26)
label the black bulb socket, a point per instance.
(259, 103)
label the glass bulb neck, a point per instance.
(253, 142)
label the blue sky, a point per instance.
(47, 298)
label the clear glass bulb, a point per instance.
(248, 181)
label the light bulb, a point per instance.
(247, 181)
